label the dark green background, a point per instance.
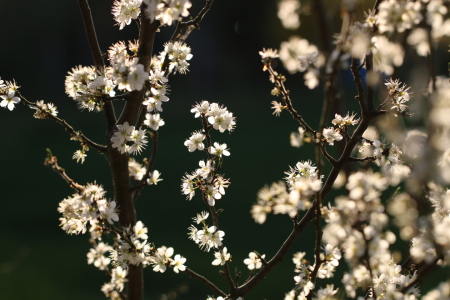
(41, 42)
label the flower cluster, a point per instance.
(329, 261)
(398, 94)
(331, 134)
(127, 139)
(125, 71)
(167, 11)
(218, 116)
(433, 239)
(288, 13)
(138, 171)
(303, 170)
(126, 10)
(341, 124)
(43, 110)
(384, 154)
(132, 248)
(209, 237)
(8, 92)
(87, 87)
(254, 261)
(97, 256)
(357, 224)
(117, 283)
(86, 207)
(90, 88)
(157, 94)
(296, 138)
(221, 257)
(303, 182)
(178, 54)
(298, 55)
(206, 178)
(398, 15)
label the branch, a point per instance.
(278, 257)
(324, 25)
(372, 158)
(369, 64)
(76, 135)
(370, 90)
(181, 25)
(52, 161)
(96, 55)
(327, 155)
(149, 167)
(147, 33)
(425, 270)
(286, 98)
(319, 233)
(357, 79)
(206, 281)
(199, 17)
(91, 35)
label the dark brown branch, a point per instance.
(122, 235)
(420, 275)
(182, 25)
(96, 55)
(370, 90)
(431, 62)
(372, 158)
(327, 155)
(211, 285)
(52, 161)
(123, 191)
(324, 25)
(118, 97)
(357, 79)
(278, 257)
(149, 166)
(147, 33)
(369, 65)
(288, 101)
(319, 233)
(310, 214)
(76, 135)
(366, 258)
(91, 35)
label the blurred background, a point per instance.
(42, 41)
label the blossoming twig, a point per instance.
(357, 79)
(149, 166)
(52, 161)
(96, 53)
(206, 281)
(75, 134)
(181, 25)
(288, 101)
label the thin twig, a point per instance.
(149, 166)
(372, 158)
(421, 273)
(357, 79)
(286, 98)
(206, 282)
(319, 233)
(327, 155)
(76, 135)
(182, 25)
(96, 55)
(52, 161)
